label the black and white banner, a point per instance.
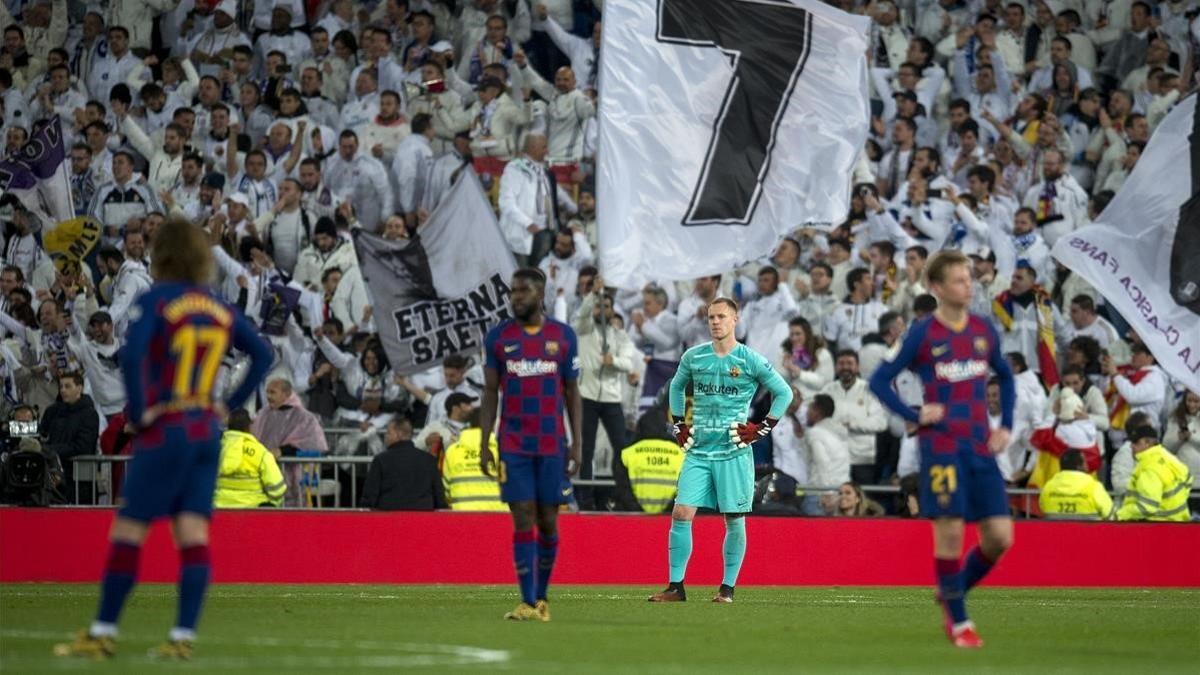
(440, 292)
(724, 124)
(1143, 253)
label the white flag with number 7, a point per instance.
(724, 124)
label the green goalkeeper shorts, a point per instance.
(724, 485)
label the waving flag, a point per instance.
(724, 124)
(37, 176)
(1143, 253)
(440, 292)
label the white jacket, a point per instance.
(763, 322)
(164, 169)
(861, 414)
(827, 454)
(849, 323)
(520, 185)
(132, 280)
(599, 382)
(1148, 396)
(313, 263)
(364, 183)
(139, 17)
(808, 382)
(787, 450)
(658, 337)
(1070, 202)
(411, 166)
(566, 115)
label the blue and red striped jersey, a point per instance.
(534, 369)
(178, 336)
(954, 366)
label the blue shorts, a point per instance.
(173, 470)
(725, 485)
(534, 478)
(964, 485)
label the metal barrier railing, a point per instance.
(318, 479)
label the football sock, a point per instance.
(950, 585)
(679, 548)
(975, 568)
(193, 581)
(734, 550)
(120, 573)
(547, 551)
(524, 559)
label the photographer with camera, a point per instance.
(606, 356)
(29, 475)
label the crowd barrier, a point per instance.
(264, 546)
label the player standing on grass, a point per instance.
(178, 335)
(533, 361)
(718, 471)
(951, 352)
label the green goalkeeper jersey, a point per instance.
(722, 389)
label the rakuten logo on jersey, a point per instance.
(715, 390)
(957, 371)
(532, 368)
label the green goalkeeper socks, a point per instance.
(679, 548)
(734, 550)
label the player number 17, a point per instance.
(192, 383)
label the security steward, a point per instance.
(1073, 493)
(1158, 489)
(467, 489)
(249, 475)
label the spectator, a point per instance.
(1075, 494)
(567, 110)
(655, 331)
(852, 502)
(1141, 385)
(606, 356)
(858, 315)
(496, 121)
(1058, 201)
(249, 475)
(122, 199)
(70, 428)
(285, 427)
(804, 361)
(826, 452)
(1029, 322)
(411, 162)
(859, 413)
(403, 478)
(787, 440)
(455, 380)
(530, 200)
(763, 320)
(436, 436)
(361, 180)
(1183, 434)
(98, 354)
(1158, 488)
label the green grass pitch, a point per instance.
(607, 629)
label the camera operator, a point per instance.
(606, 357)
(20, 434)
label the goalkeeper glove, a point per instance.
(683, 434)
(743, 435)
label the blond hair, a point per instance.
(181, 253)
(935, 270)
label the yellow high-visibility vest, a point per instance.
(467, 489)
(249, 475)
(1075, 495)
(653, 466)
(1158, 489)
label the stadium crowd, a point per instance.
(280, 126)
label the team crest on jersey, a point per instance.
(981, 345)
(551, 348)
(734, 371)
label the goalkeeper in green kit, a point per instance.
(718, 472)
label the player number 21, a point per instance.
(190, 382)
(943, 479)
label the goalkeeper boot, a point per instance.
(85, 645)
(172, 650)
(543, 610)
(673, 593)
(724, 594)
(525, 612)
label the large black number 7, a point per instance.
(767, 43)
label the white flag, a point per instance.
(724, 124)
(1143, 253)
(440, 292)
